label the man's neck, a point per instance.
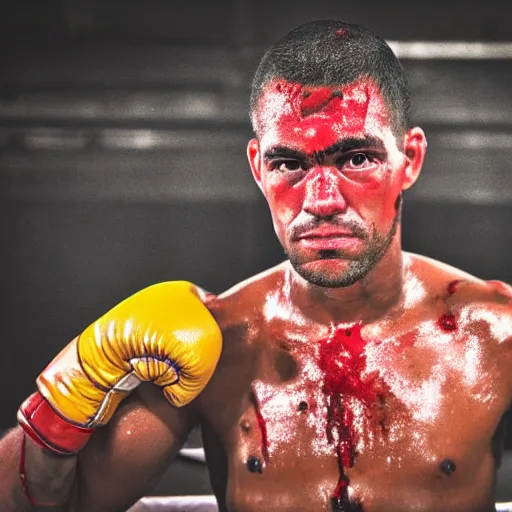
(368, 300)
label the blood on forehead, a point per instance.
(314, 118)
(317, 100)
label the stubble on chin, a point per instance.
(355, 268)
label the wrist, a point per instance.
(24, 481)
(50, 430)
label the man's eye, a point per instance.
(287, 165)
(359, 160)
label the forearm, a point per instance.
(47, 477)
(163, 334)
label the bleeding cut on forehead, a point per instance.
(332, 170)
(296, 112)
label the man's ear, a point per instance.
(254, 157)
(415, 148)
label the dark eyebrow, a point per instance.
(342, 146)
(284, 152)
(352, 143)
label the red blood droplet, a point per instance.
(448, 322)
(453, 285)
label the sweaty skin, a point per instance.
(356, 377)
(424, 405)
(427, 404)
(353, 376)
(334, 160)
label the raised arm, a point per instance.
(123, 461)
(163, 334)
(120, 463)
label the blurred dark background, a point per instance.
(123, 128)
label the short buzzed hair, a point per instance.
(335, 53)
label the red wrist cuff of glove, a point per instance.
(49, 430)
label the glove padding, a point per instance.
(162, 334)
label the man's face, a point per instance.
(332, 173)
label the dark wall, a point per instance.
(122, 154)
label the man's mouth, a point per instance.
(329, 238)
(326, 232)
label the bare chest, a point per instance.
(343, 421)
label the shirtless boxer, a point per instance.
(353, 376)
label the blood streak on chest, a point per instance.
(262, 425)
(343, 363)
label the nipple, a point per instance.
(448, 466)
(303, 406)
(254, 464)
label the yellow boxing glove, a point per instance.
(162, 334)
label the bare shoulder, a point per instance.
(474, 300)
(241, 315)
(245, 302)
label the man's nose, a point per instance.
(323, 197)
